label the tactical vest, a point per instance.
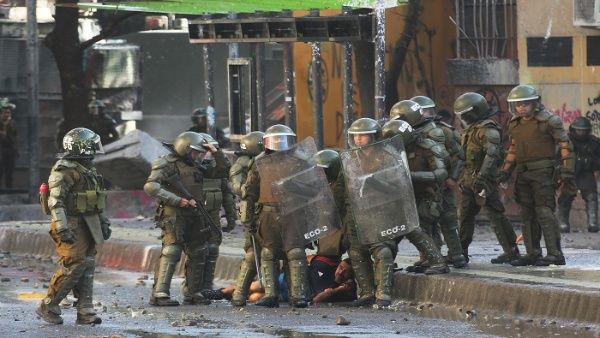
(213, 196)
(87, 196)
(532, 140)
(473, 145)
(192, 180)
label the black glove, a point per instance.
(106, 231)
(66, 236)
(478, 185)
(503, 176)
(230, 225)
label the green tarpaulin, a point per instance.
(241, 6)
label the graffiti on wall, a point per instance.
(592, 112)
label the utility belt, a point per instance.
(213, 199)
(86, 202)
(536, 165)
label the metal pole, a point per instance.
(317, 89)
(33, 75)
(380, 60)
(259, 56)
(288, 69)
(347, 80)
(207, 56)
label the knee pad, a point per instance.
(213, 250)
(267, 254)
(197, 252)
(171, 251)
(357, 255)
(296, 254)
(383, 254)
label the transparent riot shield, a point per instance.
(380, 191)
(306, 204)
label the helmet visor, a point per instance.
(357, 140)
(279, 142)
(522, 108)
(96, 147)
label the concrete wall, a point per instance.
(567, 91)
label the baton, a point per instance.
(256, 262)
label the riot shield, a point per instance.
(380, 191)
(306, 204)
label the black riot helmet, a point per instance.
(580, 128)
(82, 143)
(363, 126)
(471, 107)
(427, 106)
(330, 161)
(399, 127)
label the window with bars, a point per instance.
(486, 29)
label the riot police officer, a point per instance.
(216, 194)
(251, 145)
(200, 120)
(449, 219)
(176, 181)
(587, 160)
(270, 226)
(428, 161)
(333, 245)
(536, 134)
(76, 203)
(482, 146)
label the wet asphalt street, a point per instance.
(121, 300)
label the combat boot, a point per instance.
(551, 260)
(507, 257)
(458, 261)
(49, 312)
(363, 301)
(196, 299)
(270, 301)
(526, 260)
(87, 316)
(161, 299)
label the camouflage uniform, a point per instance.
(587, 161)
(251, 145)
(257, 190)
(76, 203)
(533, 153)
(482, 147)
(183, 229)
